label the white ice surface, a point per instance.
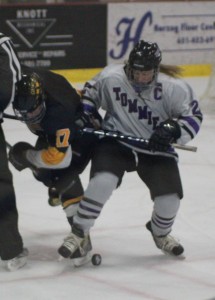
(132, 267)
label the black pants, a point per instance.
(159, 173)
(10, 240)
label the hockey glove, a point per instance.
(165, 134)
(17, 156)
(89, 117)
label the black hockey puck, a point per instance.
(96, 259)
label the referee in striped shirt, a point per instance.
(12, 253)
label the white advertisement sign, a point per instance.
(185, 31)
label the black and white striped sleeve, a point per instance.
(10, 72)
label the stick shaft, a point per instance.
(116, 135)
(7, 116)
(185, 147)
(8, 145)
(120, 136)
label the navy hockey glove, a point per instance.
(89, 117)
(165, 134)
(17, 156)
(89, 120)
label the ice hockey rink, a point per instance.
(132, 267)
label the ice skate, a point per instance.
(168, 244)
(77, 247)
(54, 197)
(17, 262)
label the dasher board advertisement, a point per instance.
(185, 31)
(57, 36)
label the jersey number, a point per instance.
(62, 138)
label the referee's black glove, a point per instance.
(17, 156)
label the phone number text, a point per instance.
(196, 40)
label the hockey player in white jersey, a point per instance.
(146, 99)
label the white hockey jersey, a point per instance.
(138, 115)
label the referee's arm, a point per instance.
(10, 72)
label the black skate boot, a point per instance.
(54, 197)
(166, 243)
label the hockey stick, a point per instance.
(120, 136)
(7, 116)
(116, 135)
(8, 145)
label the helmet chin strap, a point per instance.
(140, 87)
(37, 119)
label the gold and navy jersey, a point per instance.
(58, 125)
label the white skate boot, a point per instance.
(166, 243)
(17, 262)
(77, 247)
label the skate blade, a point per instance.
(177, 257)
(16, 265)
(60, 258)
(80, 261)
